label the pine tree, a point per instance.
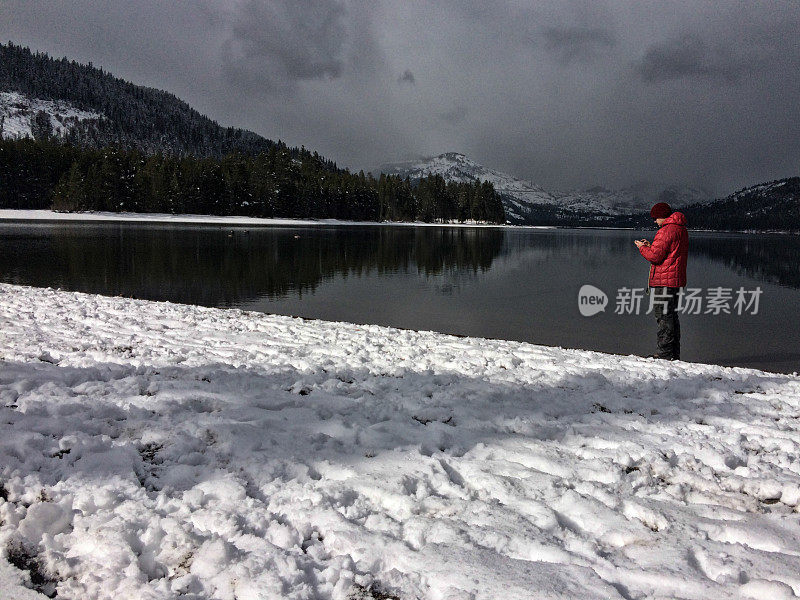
(70, 193)
(41, 126)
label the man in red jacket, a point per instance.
(667, 256)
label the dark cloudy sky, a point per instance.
(564, 93)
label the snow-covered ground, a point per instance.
(49, 215)
(17, 110)
(153, 450)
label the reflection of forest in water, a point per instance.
(215, 266)
(770, 258)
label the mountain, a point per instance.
(768, 206)
(83, 108)
(63, 101)
(90, 107)
(526, 202)
(75, 138)
(636, 198)
(517, 194)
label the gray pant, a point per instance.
(669, 328)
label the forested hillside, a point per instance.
(143, 150)
(767, 206)
(134, 116)
(45, 174)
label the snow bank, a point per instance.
(155, 451)
(49, 215)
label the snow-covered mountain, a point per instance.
(773, 205)
(17, 112)
(517, 194)
(522, 197)
(90, 107)
(635, 198)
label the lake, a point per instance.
(508, 283)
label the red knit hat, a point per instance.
(660, 210)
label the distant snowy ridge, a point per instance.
(517, 194)
(769, 206)
(520, 196)
(764, 190)
(17, 111)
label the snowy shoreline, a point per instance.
(153, 450)
(45, 216)
(109, 217)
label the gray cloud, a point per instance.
(407, 77)
(280, 42)
(686, 57)
(567, 94)
(455, 116)
(569, 44)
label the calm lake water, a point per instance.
(517, 284)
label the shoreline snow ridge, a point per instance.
(153, 450)
(49, 216)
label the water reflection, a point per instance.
(766, 258)
(517, 284)
(221, 267)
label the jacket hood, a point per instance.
(676, 218)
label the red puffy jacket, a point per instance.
(668, 253)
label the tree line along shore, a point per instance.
(44, 173)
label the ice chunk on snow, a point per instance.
(762, 589)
